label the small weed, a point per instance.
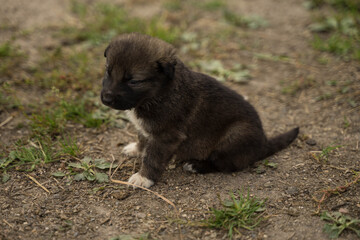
(6, 50)
(332, 83)
(67, 71)
(324, 96)
(238, 73)
(346, 123)
(49, 122)
(326, 152)
(238, 212)
(5, 177)
(298, 85)
(77, 111)
(326, 193)
(10, 59)
(87, 168)
(7, 101)
(102, 22)
(31, 156)
(339, 223)
(213, 5)
(270, 164)
(252, 22)
(323, 155)
(270, 57)
(173, 5)
(339, 32)
(78, 8)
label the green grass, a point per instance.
(237, 73)
(327, 150)
(68, 71)
(298, 85)
(52, 121)
(213, 5)
(11, 59)
(347, 5)
(26, 158)
(337, 223)
(241, 211)
(337, 31)
(101, 22)
(69, 147)
(324, 154)
(7, 101)
(252, 22)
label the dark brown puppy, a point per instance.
(180, 112)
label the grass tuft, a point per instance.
(102, 22)
(338, 31)
(242, 211)
(26, 158)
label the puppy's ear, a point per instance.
(167, 67)
(106, 50)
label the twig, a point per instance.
(6, 121)
(155, 193)
(327, 193)
(39, 184)
(111, 165)
(8, 223)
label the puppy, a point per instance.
(182, 113)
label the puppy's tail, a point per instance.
(280, 142)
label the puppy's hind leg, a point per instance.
(198, 166)
(220, 162)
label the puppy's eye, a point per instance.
(133, 82)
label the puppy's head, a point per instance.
(138, 68)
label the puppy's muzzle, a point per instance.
(108, 98)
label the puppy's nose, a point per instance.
(107, 97)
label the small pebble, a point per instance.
(292, 190)
(310, 142)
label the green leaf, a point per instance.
(58, 174)
(86, 160)
(76, 165)
(101, 163)
(5, 177)
(333, 230)
(89, 176)
(272, 165)
(101, 177)
(79, 177)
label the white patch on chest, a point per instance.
(138, 122)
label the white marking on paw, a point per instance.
(189, 168)
(141, 181)
(131, 149)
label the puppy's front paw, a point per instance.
(188, 167)
(131, 150)
(139, 180)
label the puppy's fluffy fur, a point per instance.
(182, 113)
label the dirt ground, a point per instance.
(77, 211)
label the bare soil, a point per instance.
(76, 211)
